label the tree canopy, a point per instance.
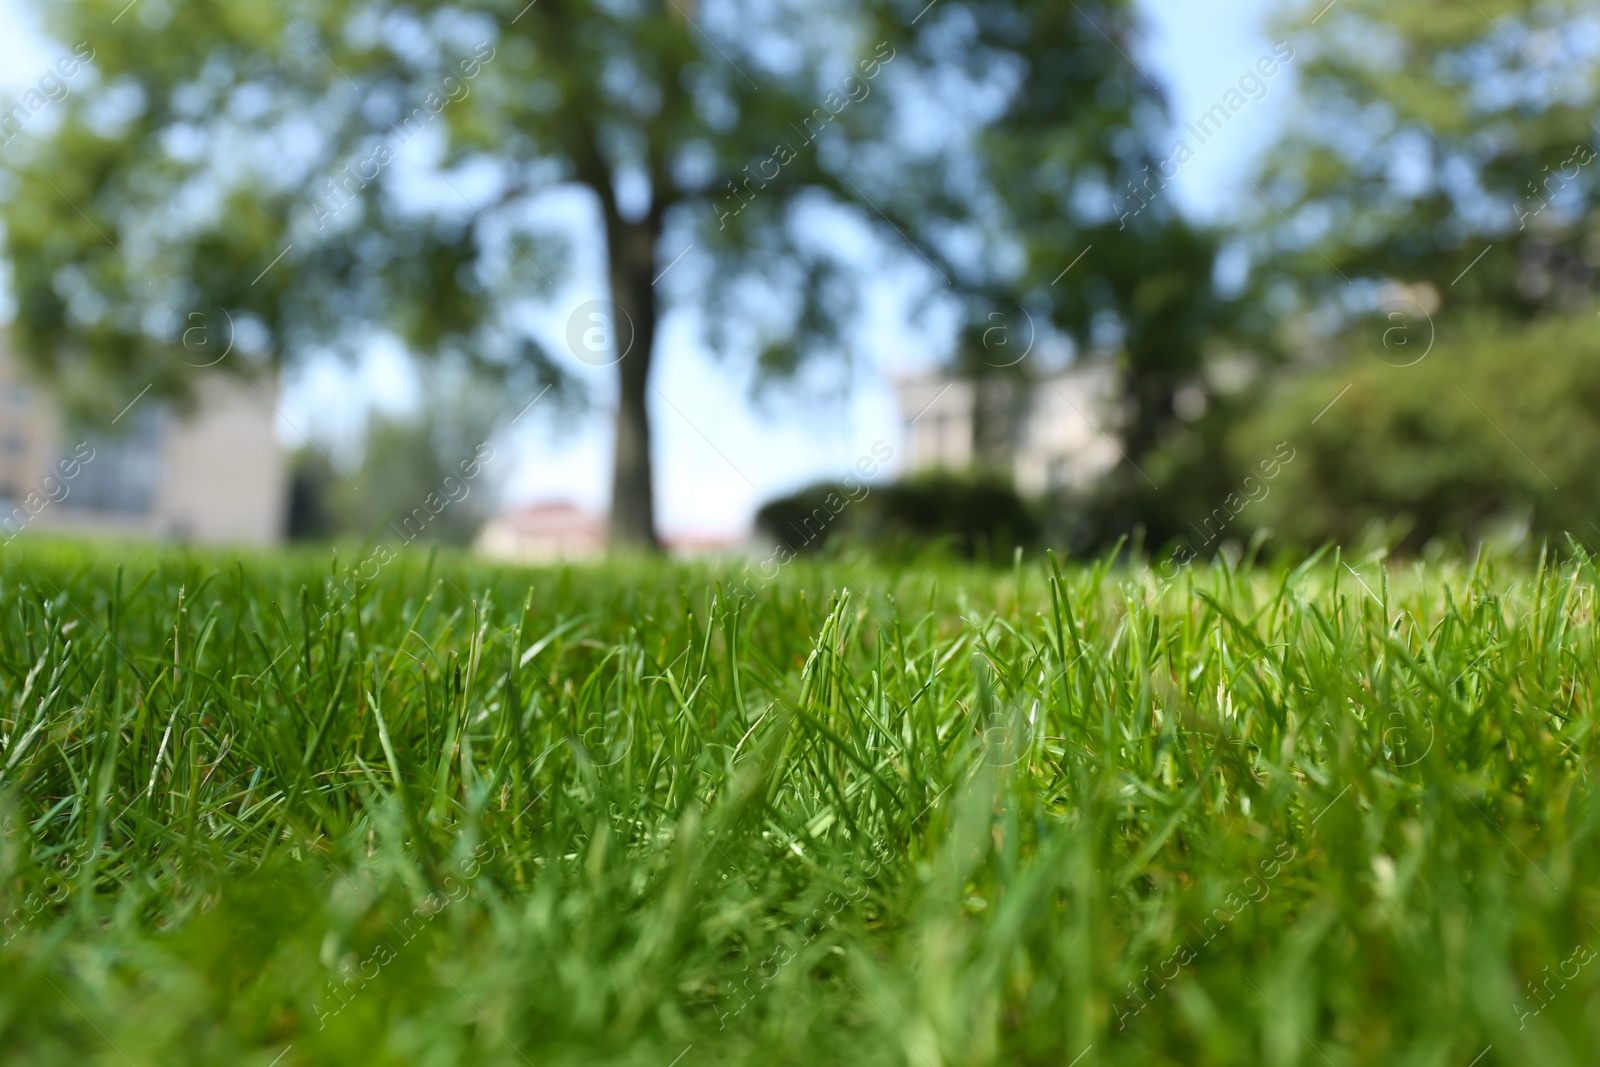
(1429, 135)
(312, 173)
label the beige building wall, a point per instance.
(1068, 434)
(938, 423)
(27, 434)
(216, 473)
(225, 481)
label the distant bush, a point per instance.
(969, 515)
(972, 515)
(806, 520)
(1496, 431)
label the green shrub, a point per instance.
(806, 520)
(968, 515)
(1497, 430)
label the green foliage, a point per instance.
(971, 515)
(404, 465)
(262, 165)
(407, 488)
(1177, 483)
(250, 132)
(808, 519)
(1440, 188)
(976, 516)
(456, 813)
(1441, 175)
(1428, 131)
(430, 474)
(1493, 433)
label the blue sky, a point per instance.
(717, 456)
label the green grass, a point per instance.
(922, 817)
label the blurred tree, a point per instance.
(1427, 136)
(1429, 225)
(429, 474)
(244, 163)
(1465, 444)
(1076, 232)
(1084, 241)
(412, 484)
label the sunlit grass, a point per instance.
(1335, 814)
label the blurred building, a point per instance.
(543, 533)
(1051, 433)
(213, 475)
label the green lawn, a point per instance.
(471, 815)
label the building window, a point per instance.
(126, 469)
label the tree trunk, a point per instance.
(632, 248)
